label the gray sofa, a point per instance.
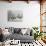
(17, 35)
(22, 38)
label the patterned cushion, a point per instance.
(11, 30)
(17, 30)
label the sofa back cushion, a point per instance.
(23, 31)
(11, 30)
(17, 30)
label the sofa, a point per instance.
(15, 33)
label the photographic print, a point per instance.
(15, 15)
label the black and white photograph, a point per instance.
(15, 15)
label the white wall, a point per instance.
(31, 14)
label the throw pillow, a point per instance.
(17, 30)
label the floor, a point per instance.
(35, 43)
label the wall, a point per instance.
(31, 14)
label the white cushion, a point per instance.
(23, 31)
(5, 32)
